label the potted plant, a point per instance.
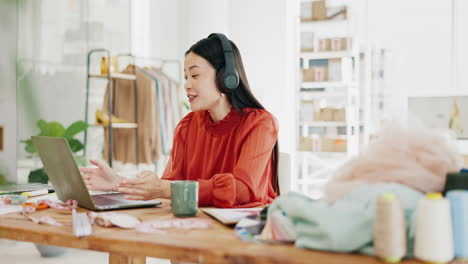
(55, 129)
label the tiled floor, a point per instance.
(26, 253)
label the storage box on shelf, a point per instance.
(319, 10)
(329, 94)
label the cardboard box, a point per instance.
(337, 13)
(319, 10)
(328, 144)
(326, 114)
(324, 44)
(317, 115)
(336, 44)
(308, 74)
(316, 143)
(305, 144)
(339, 114)
(320, 73)
(333, 145)
(339, 145)
(346, 43)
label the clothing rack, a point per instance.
(164, 62)
(111, 77)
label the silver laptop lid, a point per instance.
(63, 172)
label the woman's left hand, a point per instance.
(146, 186)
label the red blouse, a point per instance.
(231, 159)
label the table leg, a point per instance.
(121, 259)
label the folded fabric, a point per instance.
(346, 225)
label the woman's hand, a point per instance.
(146, 186)
(102, 178)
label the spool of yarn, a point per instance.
(456, 181)
(389, 229)
(433, 230)
(459, 210)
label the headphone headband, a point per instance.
(228, 78)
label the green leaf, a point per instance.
(81, 161)
(3, 180)
(55, 129)
(75, 128)
(75, 145)
(29, 146)
(39, 176)
(44, 128)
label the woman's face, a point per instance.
(200, 83)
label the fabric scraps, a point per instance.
(45, 219)
(187, 223)
(68, 205)
(114, 219)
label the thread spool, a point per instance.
(389, 229)
(459, 210)
(433, 230)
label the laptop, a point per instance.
(68, 183)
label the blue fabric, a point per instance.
(346, 225)
(459, 210)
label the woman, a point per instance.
(228, 143)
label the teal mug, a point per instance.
(184, 198)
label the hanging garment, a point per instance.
(173, 99)
(149, 140)
(166, 104)
(176, 102)
(163, 139)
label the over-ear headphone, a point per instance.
(227, 77)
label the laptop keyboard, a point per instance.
(103, 200)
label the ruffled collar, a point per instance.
(224, 125)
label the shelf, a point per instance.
(115, 75)
(327, 84)
(311, 26)
(119, 125)
(308, 95)
(322, 55)
(312, 181)
(441, 93)
(323, 124)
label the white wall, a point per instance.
(461, 31)
(417, 34)
(202, 17)
(266, 35)
(8, 31)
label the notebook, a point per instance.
(231, 216)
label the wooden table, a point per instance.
(216, 245)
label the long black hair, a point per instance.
(212, 51)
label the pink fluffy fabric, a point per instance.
(418, 158)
